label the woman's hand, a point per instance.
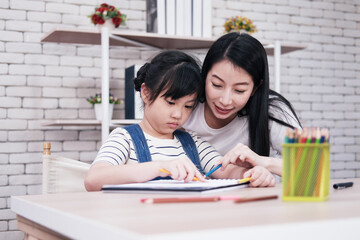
(182, 169)
(260, 177)
(243, 156)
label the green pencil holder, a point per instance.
(306, 171)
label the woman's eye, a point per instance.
(239, 91)
(216, 85)
(170, 102)
(189, 107)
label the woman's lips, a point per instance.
(222, 110)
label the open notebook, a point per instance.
(175, 186)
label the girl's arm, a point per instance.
(102, 173)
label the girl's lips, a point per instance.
(222, 111)
(173, 125)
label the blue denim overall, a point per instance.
(143, 153)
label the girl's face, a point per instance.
(164, 115)
(228, 89)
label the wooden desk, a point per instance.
(107, 216)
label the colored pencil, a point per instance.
(180, 200)
(166, 171)
(242, 200)
(229, 197)
(313, 166)
(244, 180)
(287, 135)
(213, 170)
(237, 199)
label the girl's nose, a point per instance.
(176, 113)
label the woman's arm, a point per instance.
(242, 155)
(260, 177)
(274, 165)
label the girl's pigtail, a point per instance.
(141, 76)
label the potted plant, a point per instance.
(239, 24)
(96, 101)
(109, 15)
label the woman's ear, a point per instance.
(256, 88)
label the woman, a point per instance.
(240, 116)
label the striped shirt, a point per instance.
(119, 149)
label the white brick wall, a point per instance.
(45, 81)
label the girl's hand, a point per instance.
(182, 169)
(260, 177)
(242, 156)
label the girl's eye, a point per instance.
(170, 102)
(189, 107)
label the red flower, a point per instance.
(94, 18)
(97, 19)
(102, 9)
(116, 21)
(100, 20)
(106, 12)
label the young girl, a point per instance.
(169, 87)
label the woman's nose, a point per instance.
(226, 99)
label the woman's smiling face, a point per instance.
(228, 89)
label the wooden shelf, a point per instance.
(126, 38)
(89, 122)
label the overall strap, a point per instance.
(140, 145)
(189, 147)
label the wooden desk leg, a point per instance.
(34, 231)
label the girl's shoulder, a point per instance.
(197, 139)
(193, 134)
(120, 132)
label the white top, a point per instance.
(225, 138)
(119, 149)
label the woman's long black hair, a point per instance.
(248, 53)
